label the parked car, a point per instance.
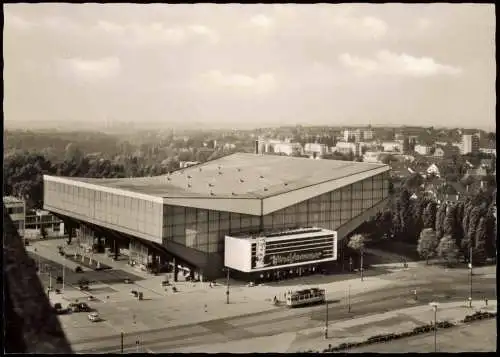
(79, 307)
(94, 317)
(59, 309)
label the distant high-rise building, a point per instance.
(358, 134)
(470, 144)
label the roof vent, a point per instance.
(261, 176)
(232, 193)
(239, 170)
(189, 185)
(168, 178)
(286, 183)
(220, 173)
(210, 185)
(189, 176)
(212, 194)
(241, 180)
(265, 188)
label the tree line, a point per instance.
(447, 230)
(23, 172)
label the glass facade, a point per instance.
(204, 230)
(135, 214)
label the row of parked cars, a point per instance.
(77, 307)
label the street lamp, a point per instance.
(435, 308)
(227, 285)
(326, 316)
(470, 270)
(349, 298)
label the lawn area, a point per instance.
(474, 337)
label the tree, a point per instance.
(357, 242)
(413, 181)
(429, 219)
(450, 225)
(440, 215)
(427, 244)
(448, 250)
(481, 242)
(475, 216)
(406, 214)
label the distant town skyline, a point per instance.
(251, 65)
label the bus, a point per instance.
(305, 297)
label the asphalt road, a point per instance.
(276, 322)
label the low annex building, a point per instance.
(186, 215)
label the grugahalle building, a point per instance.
(188, 215)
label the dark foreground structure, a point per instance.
(30, 323)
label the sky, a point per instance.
(276, 64)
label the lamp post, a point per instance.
(326, 316)
(121, 342)
(435, 307)
(361, 264)
(227, 285)
(349, 298)
(470, 272)
(63, 272)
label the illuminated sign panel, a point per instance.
(269, 254)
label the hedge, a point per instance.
(479, 315)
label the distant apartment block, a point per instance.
(488, 151)
(372, 156)
(470, 144)
(16, 209)
(315, 149)
(392, 146)
(423, 149)
(278, 147)
(184, 164)
(358, 134)
(346, 148)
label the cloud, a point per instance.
(204, 32)
(262, 21)
(367, 26)
(16, 22)
(156, 32)
(91, 70)
(261, 83)
(110, 27)
(423, 23)
(389, 63)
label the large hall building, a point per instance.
(186, 216)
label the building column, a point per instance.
(130, 252)
(70, 233)
(116, 249)
(154, 263)
(176, 270)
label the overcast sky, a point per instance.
(426, 64)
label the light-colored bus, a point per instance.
(305, 297)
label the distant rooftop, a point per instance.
(240, 175)
(12, 199)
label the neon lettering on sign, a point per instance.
(281, 259)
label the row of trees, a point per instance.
(446, 230)
(23, 173)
